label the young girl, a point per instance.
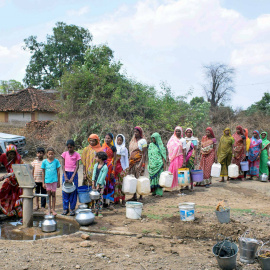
(70, 166)
(51, 178)
(122, 163)
(99, 179)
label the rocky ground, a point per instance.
(158, 241)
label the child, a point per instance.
(37, 173)
(122, 163)
(98, 179)
(51, 178)
(70, 166)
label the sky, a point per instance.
(156, 40)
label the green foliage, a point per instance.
(60, 52)
(100, 98)
(262, 106)
(8, 87)
(196, 100)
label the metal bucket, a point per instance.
(248, 248)
(223, 215)
(225, 263)
(83, 194)
(264, 262)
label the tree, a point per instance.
(11, 86)
(220, 83)
(262, 106)
(64, 48)
(196, 100)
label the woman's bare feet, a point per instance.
(222, 180)
(48, 212)
(54, 213)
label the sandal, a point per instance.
(65, 212)
(72, 213)
(100, 215)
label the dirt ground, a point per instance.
(159, 240)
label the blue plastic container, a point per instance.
(83, 194)
(197, 175)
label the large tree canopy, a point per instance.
(64, 48)
(219, 85)
(262, 106)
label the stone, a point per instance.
(85, 236)
(85, 244)
(78, 266)
(139, 236)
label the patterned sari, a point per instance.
(224, 152)
(10, 201)
(264, 155)
(88, 158)
(156, 154)
(254, 151)
(207, 157)
(108, 193)
(136, 154)
(175, 149)
(239, 149)
(192, 143)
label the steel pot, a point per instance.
(80, 208)
(49, 224)
(268, 163)
(94, 195)
(68, 187)
(263, 177)
(85, 217)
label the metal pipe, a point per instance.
(27, 207)
(41, 195)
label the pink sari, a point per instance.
(175, 149)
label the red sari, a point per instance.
(110, 182)
(10, 201)
(239, 150)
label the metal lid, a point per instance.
(49, 216)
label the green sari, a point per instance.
(264, 156)
(224, 152)
(156, 154)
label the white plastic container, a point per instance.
(129, 184)
(143, 185)
(215, 170)
(183, 177)
(233, 171)
(134, 210)
(166, 179)
(187, 211)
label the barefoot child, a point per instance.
(37, 173)
(51, 178)
(70, 166)
(98, 179)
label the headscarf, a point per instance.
(258, 133)
(122, 151)
(265, 142)
(247, 139)
(175, 145)
(97, 147)
(13, 148)
(111, 136)
(241, 129)
(211, 131)
(192, 138)
(156, 153)
(133, 145)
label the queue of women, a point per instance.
(182, 152)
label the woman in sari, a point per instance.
(109, 148)
(10, 201)
(224, 152)
(88, 158)
(191, 149)
(156, 163)
(137, 151)
(120, 168)
(264, 154)
(177, 154)
(208, 156)
(254, 154)
(247, 149)
(239, 148)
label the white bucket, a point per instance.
(187, 211)
(134, 210)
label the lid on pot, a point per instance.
(83, 206)
(49, 216)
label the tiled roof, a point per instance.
(27, 100)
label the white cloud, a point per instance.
(79, 12)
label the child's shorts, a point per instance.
(51, 186)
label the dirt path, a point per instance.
(159, 240)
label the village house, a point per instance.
(27, 105)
